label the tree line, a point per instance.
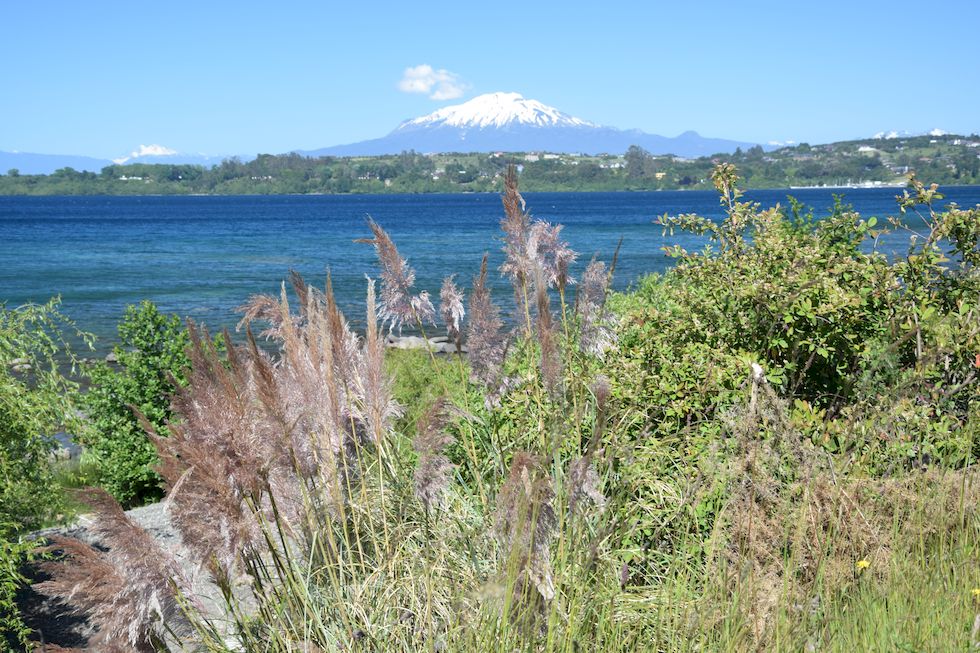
(949, 160)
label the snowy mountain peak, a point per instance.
(497, 110)
(146, 151)
(509, 122)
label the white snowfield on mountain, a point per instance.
(497, 110)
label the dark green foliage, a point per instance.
(35, 401)
(878, 359)
(802, 297)
(151, 361)
(14, 554)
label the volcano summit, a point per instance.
(510, 122)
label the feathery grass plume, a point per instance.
(433, 468)
(517, 263)
(451, 308)
(515, 225)
(398, 305)
(524, 526)
(375, 387)
(258, 434)
(128, 591)
(547, 337)
(595, 337)
(484, 339)
(218, 455)
(582, 478)
(601, 390)
(528, 245)
(319, 369)
(545, 246)
(267, 308)
(333, 328)
(583, 483)
(261, 308)
(248, 428)
(495, 393)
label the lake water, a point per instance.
(201, 257)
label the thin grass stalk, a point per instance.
(471, 449)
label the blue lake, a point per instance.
(202, 256)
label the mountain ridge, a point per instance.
(509, 122)
(32, 163)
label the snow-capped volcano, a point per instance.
(497, 110)
(162, 154)
(509, 122)
(145, 151)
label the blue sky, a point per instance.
(101, 78)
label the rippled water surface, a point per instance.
(203, 256)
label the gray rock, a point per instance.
(437, 344)
(56, 624)
(67, 448)
(407, 342)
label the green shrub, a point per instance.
(877, 357)
(14, 554)
(151, 361)
(35, 401)
(800, 295)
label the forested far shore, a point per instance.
(947, 160)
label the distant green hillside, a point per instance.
(947, 160)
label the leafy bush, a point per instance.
(151, 362)
(876, 357)
(14, 554)
(798, 294)
(35, 401)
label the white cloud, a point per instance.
(437, 84)
(153, 150)
(146, 150)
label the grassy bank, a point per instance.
(770, 447)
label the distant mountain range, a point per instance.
(505, 122)
(508, 122)
(28, 163)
